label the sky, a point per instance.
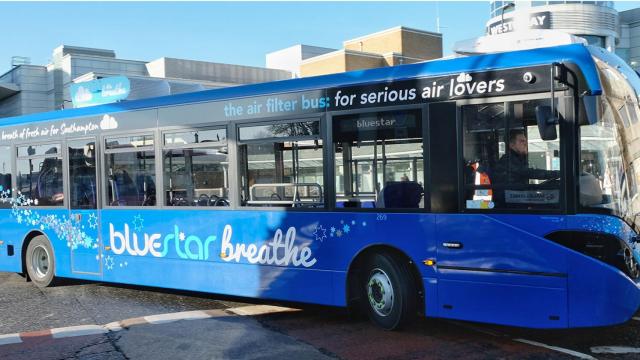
(226, 32)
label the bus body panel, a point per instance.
(519, 239)
(520, 297)
(10, 242)
(191, 250)
(84, 258)
(599, 295)
(504, 304)
(525, 283)
(601, 307)
(219, 251)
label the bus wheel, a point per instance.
(40, 261)
(389, 291)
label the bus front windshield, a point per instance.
(609, 150)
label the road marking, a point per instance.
(80, 330)
(253, 310)
(113, 326)
(185, 315)
(615, 350)
(10, 339)
(555, 348)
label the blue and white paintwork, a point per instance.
(526, 280)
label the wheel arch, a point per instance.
(25, 243)
(358, 261)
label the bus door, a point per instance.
(493, 262)
(83, 206)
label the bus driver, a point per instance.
(513, 167)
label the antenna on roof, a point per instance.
(437, 16)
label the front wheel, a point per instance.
(390, 292)
(40, 261)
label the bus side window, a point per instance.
(196, 168)
(5, 175)
(82, 174)
(379, 160)
(507, 164)
(281, 165)
(130, 171)
(39, 175)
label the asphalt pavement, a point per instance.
(101, 321)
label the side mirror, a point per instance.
(547, 122)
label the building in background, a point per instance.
(395, 46)
(597, 22)
(629, 30)
(26, 88)
(291, 58)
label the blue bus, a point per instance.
(499, 188)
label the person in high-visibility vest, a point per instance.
(481, 178)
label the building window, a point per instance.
(130, 170)
(39, 174)
(281, 165)
(379, 160)
(196, 168)
(594, 40)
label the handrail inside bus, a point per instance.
(278, 194)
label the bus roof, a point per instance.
(577, 54)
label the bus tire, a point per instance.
(389, 292)
(40, 261)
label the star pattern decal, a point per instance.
(138, 222)
(109, 263)
(66, 227)
(320, 233)
(93, 221)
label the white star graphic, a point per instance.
(320, 233)
(109, 263)
(93, 221)
(138, 222)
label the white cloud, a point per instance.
(464, 77)
(82, 95)
(108, 123)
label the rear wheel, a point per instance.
(389, 292)
(40, 261)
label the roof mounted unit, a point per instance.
(20, 60)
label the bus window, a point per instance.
(506, 163)
(39, 175)
(5, 175)
(282, 165)
(379, 160)
(609, 153)
(130, 171)
(196, 168)
(82, 174)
